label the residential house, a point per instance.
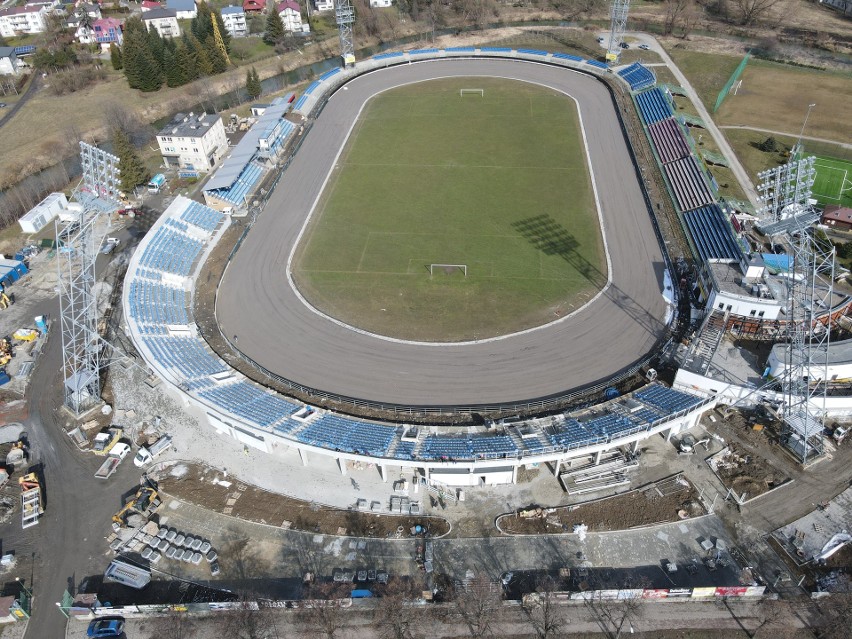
(16, 21)
(163, 20)
(323, 5)
(837, 216)
(194, 142)
(185, 9)
(8, 61)
(254, 6)
(381, 4)
(104, 31)
(291, 15)
(234, 19)
(147, 5)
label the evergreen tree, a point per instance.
(253, 87)
(115, 56)
(274, 26)
(202, 58)
(188, 60)
(133, 51)
(133, 170)
(201, 25)
(156, 45)
(218, 63)
(175, 72)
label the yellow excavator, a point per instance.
(142, 503)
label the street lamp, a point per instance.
(63, 610)
(804, 124)
(24, 588)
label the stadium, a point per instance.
(529, 371)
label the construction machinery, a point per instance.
(5, 352)
(32, 505)
(143, 503)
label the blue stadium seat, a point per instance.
(653, 105)
(638, 76)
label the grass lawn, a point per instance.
(833, 183)
(497, 183)
(707, 73)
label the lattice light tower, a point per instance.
(618, 16)
(784, 187)
(345, 16)
(809, 291)
(77, 250)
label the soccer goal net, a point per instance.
(479, 92)
(447, 269)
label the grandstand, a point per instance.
(668, 140)
(638, 76)
(688, 184)
(712, 234)
(653, 105)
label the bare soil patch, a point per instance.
(746, 473)
(664, 501)
(212, 489)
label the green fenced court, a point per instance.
(460, 209)
(833, 181)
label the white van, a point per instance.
(147, 455)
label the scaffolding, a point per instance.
(101, 177)
(618, 17)
(76, 253)
(345, 15)
(806, 355)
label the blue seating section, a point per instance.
(638, 76)
(236, 193)
(328, 74)
(311, 87)
(339, 433)
(495, 446)
(300, 103)
(460, 49)
(202, 216)
(666, 399)
(250, 402)
(405, 450)
(423, 51)
(568, 56)
(151, 275)
(533, 51)
(609, 425)
(185, 354)
(496, 49)
(711, 234)
(284, 134)
(154, 303)
(668, 140)
(573, 435)
(688, 183)
(653, 105)
(385, 56)
(645, 416)
(595, 63)
(437, 447)
(175, 224)
(171, 251)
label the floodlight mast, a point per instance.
(77, 250)
(345, 16)
(618, 24)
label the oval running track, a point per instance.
(277, 330)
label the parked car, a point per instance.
(644, 47)
(2, 105)
(106, 628)
(624, 45)
(109, 245)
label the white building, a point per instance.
(43, 213)
(185, 9)
(323, 5)
(163, 20)
(381, 4)
(16, 21)
(8, 61)
(193, 142)
(291, 15)
(234, 19)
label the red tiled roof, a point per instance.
(254, 5)
(289, 4)
(837, 213)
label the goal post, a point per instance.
(479, 92)
(447, 269)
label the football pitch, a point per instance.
(833, 181)
(456, 215)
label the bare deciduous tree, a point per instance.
(750, 11)
(250, 621)
(543, 611)
(324, 610)
(476, 602)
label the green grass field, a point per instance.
(498, 183)
(833, 182)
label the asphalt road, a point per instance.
(257, 302)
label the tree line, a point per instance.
(149, 60)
